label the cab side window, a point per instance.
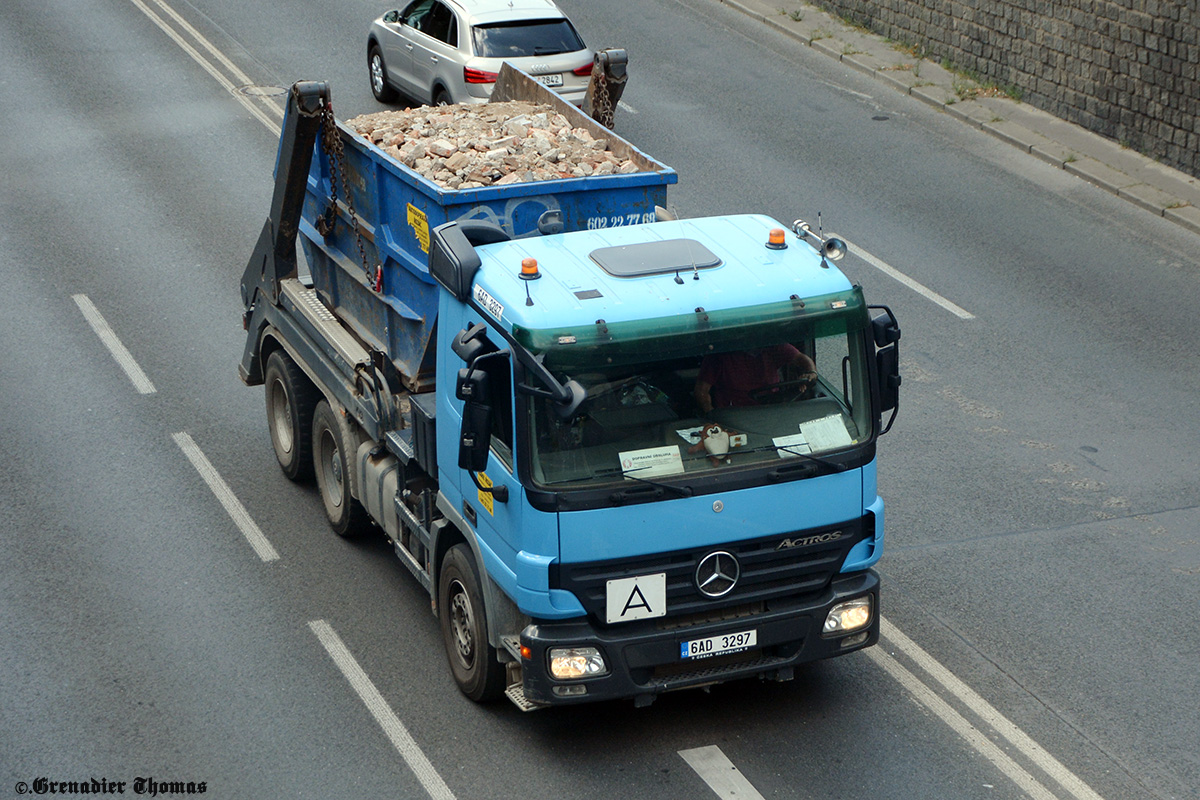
(499, 372)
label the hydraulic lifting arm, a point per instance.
(274, 256)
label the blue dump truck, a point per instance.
(624, 454)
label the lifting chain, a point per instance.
(602, 109)
(331, 143)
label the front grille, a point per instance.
(767, 572)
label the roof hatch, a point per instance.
(654, 258)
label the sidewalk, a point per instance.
(1159, 189)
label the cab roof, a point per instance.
(630, 273)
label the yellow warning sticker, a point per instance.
(420, 226)
(485, 498)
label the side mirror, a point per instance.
(884, 327)
(886, 332)
(475, 439)
(472, 386)
(887, 362)
(575, 395)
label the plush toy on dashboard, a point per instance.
(716, 441)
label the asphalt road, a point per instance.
(1042, 568)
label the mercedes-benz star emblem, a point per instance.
(717, 574)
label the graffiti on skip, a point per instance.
(520, 214)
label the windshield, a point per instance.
(756, 399)
(542, 37)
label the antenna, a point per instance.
(692, 257)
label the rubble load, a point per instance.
(467, 146)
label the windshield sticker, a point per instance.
(791, 446)
(651, 461)
(827, 433)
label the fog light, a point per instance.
(569, 663)
(849, 616)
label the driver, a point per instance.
(729, 379)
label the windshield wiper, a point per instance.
(833, 465)
(682, 491)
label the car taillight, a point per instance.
(583, 71)
(478, 75)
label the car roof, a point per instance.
(486, 11)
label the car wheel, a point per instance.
(380, 87)
(441, 97)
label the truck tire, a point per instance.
(331, 454)
(291, 399)
(477, 671)
(380, 87)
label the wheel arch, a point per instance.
(500, 610)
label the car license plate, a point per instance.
(549, 80)
(718, 645)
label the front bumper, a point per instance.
(644, 659)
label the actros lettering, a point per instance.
(820, 538)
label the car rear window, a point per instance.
(527, 38)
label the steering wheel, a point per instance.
(784, 391)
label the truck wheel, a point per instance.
(331, 459)
(380, 87)
(473, 660)
(291, 398)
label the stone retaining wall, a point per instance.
(1126, 69)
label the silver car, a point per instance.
(450, 51)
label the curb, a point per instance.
(1131, 176)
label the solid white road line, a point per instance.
(251, 104)
(973, 736)
(140, 381)
(720, 774)
(221, 489)
(1015, 736)
(387, 719)
(896, 274)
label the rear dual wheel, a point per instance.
(332, 451)
(291, 400)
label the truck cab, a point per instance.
(650, 541)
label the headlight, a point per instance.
(849, 616)
(569, 663)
